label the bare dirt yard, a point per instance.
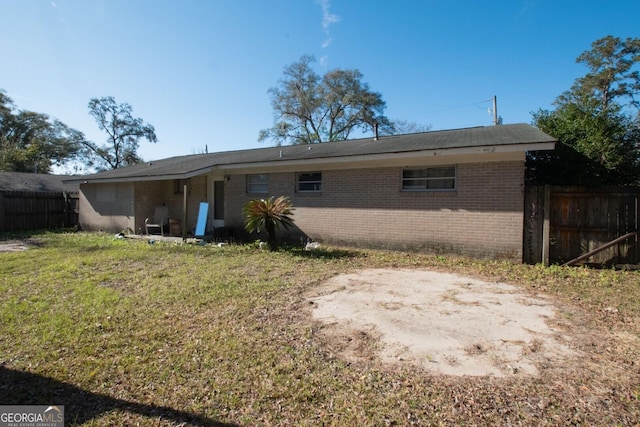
(14, 245)
(444, 323)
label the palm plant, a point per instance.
(268, 215)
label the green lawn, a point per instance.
(123, 332)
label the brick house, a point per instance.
(458, 191)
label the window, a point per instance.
(310, 182)
(429, 179)
(178, 185)
(258, 183)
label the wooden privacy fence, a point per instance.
(563, 223)
(29, 210)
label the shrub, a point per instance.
(268, 215)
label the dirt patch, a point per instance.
(20, 245)
(14, 246)
(444, 323)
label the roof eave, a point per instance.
(142, 178)
(511, 148)
(333, 160)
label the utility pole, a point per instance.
(495, 111)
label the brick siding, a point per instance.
(366, 207)
(150, 194)
(124, 206)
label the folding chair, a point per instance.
(159, 220)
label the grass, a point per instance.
(122, 332)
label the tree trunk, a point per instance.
(271, 236)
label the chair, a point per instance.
(159, 220)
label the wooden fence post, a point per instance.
(3, 219)
(545, 225)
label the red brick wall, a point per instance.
(366, 207)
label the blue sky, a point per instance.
(199, 70)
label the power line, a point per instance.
(477, 104)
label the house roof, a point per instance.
(39, 182)
(515, 137)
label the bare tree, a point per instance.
(311, 109)
(123, 133)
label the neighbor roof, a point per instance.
(39, 182)
(522, 136)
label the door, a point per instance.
(218, 203)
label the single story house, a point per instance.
(458, 191)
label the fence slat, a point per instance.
(29, 210)
(583, 219)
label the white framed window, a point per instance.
(309, 182)
(441, 178)
(258, 183)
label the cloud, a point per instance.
(524, 11)
(328, 19)
(53, 4)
